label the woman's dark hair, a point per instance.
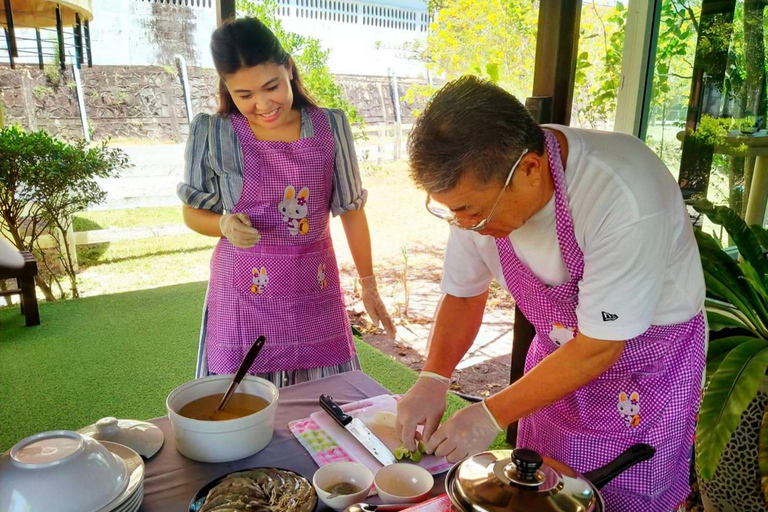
(470, 125)
(244, 43)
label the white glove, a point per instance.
(423, 404)
(375, 307)
(469, 431)
(236, 227)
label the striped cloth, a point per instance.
(213, 172)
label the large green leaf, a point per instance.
(718, 263)
(756, 282)
(729, 392)
(735, 297)
(718, 321)
(744, 237)
(761, 234)
(718, 350)
(725, 345)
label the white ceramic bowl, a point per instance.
(62, 471)
(228, 440)
(403, 483)
(342, 472)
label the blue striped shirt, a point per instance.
(213, 171)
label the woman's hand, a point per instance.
(375, 307)
(236, 227)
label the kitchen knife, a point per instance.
(358, 430)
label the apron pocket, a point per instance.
(257, 275)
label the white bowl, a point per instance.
(403, 483)
(342, 472)
(228, 440)
(62, 471)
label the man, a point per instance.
(589, 233)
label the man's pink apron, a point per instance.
(651, 395)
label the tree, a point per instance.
(307, 52)
(65, 184)
(43, 182)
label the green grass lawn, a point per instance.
(130, 218)
(115, 355)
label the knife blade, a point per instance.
(358, 430)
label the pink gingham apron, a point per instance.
(650, 395)
(287, 286)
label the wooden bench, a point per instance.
(25, 280)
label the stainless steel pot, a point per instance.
(521, 480)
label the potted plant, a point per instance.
(732, 434)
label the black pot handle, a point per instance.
(633, 455)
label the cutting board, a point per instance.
(439, 504)
(327, 442)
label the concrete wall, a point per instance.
(147, 102)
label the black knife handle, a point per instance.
(329, 406)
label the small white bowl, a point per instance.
(403, 483)
(228, 440)
(62, 471)
(343, 472)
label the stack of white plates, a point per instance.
(68, 472)
(130, 499)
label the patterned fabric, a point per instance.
(287, 286)
(651, 395)
(283, 379)
(213, 173)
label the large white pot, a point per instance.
(222, 441)
(735, 486)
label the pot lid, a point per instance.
(144, 438)
(519, 480)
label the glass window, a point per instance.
(598, 68)
(708, 101)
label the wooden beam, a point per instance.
(60, 34)
(10, 35)
(225, 9)
(557, 46)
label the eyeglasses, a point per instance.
(444, 213)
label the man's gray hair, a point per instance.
(470, 125)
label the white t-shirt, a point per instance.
(641, 262)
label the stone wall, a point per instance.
(147, 102)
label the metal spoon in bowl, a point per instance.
(248, 360)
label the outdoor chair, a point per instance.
(25, 281)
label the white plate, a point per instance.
(133, 504)
(135, 471)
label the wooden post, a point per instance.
(556, 50)
(78, 40)
(60, 34)
(225, 9)
(557, 46)
(10, 34)
(40, 61)
(88, 43)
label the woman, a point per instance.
(589, 233)
(263, 175)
